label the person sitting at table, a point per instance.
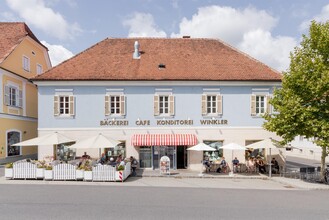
(102, 160)
(112, 162)
(250, 165)
(206, 163)
(261, 166)
(223, 165)
(85, 156)
(235, 164)
(275, 166)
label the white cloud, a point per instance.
(247, 29)
(273, 51)
(36, 13)
(8, 16)
(57, 53)
(322, 17)
(143, 25)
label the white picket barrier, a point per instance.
(127, 170)
(24, 170)
(64, 171)
(103, 173)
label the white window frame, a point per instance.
(65, 93)
(119, 105)
(26, 63)
(39, 69)
(260, 104)
(9, 98)
(266, 106)
(159, 104)
(218, 111)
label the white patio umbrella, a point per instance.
(49, 139)
(201, 147)
(96, 142)
(232, 147)
(266, 144)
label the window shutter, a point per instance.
(20, 98)
(268, 105)
(156, 105)
(253, 105)
(56, 105)
(72, 110)
(107, 105)
(122, 105)
(204, 105)
(219, 104)
(172, 105)
(7, 94)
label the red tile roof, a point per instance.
(11, 34)
(187, 59)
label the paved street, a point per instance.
(53, 201)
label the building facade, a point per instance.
(158, 97)
(22, 57)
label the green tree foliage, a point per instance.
(303, 101)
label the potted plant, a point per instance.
(80, 172)
(48, 172)
(119, 174)
(9, 170)
(88, 173)
(41, 165)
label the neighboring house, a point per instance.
(22, 57)
(158, 97)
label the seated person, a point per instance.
(235, 164)
(275, 166)
(261, 166)
(250, 165)
(119, 159)
(85, 156)
(102, 160)
(112, 162)
(222, 166)
(206, 163)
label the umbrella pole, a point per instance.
(270, 171)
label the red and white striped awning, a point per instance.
(164, 139)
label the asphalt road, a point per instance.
(120, 202)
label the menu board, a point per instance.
(164, 165)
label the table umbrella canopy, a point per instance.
(232, 146)
(49, 139)
(96, 142)
(201, 147)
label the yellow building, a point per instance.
(22, 57)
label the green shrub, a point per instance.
(9, 165)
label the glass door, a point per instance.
(160, 151)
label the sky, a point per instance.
(267, 30)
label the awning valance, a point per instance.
(164, 139)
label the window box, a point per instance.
(88, 175)
(9, 173)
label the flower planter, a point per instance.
(119, 177)
(88, 175)
(9, 173)
(48, 175)
(40, 173)
(80, 174)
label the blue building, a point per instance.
(158, 97)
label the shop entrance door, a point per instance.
(181, 157)
(159, 151)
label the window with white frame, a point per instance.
(260, 104)
(39, 69)
(64, 105)
(26, 63)
(13, 96)
(115, 104)
(212, 104)
(164, 105)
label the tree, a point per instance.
(303, 101)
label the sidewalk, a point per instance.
(187, 178)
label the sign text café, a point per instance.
(112, 122)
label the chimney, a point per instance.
(136, 54)
(186, 36)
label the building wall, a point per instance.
(21, 119)
(90, 105)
